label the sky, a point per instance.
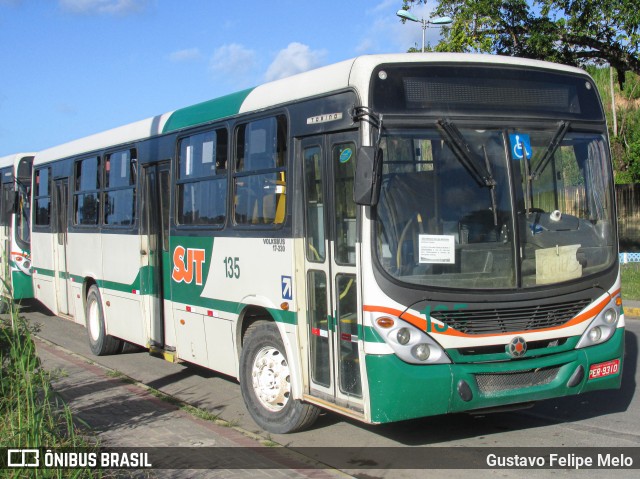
(71, 68)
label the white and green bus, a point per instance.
(389, 237)
(15, 216)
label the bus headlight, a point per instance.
(602, 327)
(595, 334)
(403, 336)
(408, 342)
(22, 263)
(610, 316)
(421, 352)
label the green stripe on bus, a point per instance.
(45, 271)
(288, 317)
(371, 335)
(115, 286)
(281, 316)
(211, 110)
(22, 285)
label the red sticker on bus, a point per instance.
(601, 370)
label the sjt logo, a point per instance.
(187, 264)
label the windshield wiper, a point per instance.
(494, 201)
(563, 127)
(466, 156)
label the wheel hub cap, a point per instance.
(271, 379)
(94, 322)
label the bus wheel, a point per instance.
(265, 381)
(100, 343)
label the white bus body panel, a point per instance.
(44, 287)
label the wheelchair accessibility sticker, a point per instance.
(520, 145)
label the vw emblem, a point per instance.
(517, 347)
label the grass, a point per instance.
(118, 375)
(630, 274)
(31, 413)
(268, 442)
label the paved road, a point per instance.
(606, 419)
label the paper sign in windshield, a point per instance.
(439, 249)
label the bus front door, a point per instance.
(154, 247)
(330, 269)
(61, 278)
(59, 216)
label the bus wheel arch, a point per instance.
(249, 315)
(254, 312)
(86, 285)
(100, 342)
(265, 381)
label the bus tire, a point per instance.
(266, 384)
(100, 342)
(130, 348)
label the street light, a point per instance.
(405, 15)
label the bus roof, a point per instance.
(12, 160)
(354, 73)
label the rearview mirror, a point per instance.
(366, 186)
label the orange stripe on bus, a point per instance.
(421, 323)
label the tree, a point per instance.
(573, 32)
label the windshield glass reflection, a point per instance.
(454, 202)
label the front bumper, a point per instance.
(399, 390)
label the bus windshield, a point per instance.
(477, 208)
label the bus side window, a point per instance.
(42, 197)
(86, 204)
(260, 172)
(120, 194)
(202, 178)
(7, 205)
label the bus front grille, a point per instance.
(510, 320)
(492, 383)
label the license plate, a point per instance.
(604, 369)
